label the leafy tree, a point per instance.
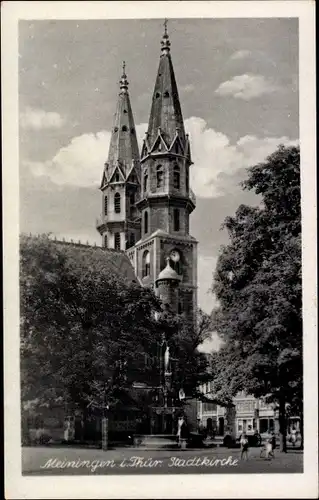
(87, 333)
(258, 286)
(84, 328)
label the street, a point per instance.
(81, 461)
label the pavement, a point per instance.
(50, 460)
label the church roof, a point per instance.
(166, 116)
(123, 149)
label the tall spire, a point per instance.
(123, 146)
(166, 115)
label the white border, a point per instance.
(179, 486)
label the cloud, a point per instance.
(38, 119)
(246, 87)
(218, 164)
(240, 54)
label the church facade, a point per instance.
(146, 196)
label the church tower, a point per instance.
(120, 222)
(166, 255)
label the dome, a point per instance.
(168, 273)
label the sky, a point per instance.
(238, 87)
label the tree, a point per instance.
(258, 286)
(84, 327)
(87, 333)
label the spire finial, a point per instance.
(165, 27)
(165, 40)
(123, 81)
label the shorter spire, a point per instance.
(165, 40)
(123, 81)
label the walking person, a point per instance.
(293, 436)
(184, 434)
(267, 448)
(244, 446)
(273, 444)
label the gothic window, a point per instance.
(145, 222)
(105, 205)
(176, 219)
(146, 266)
(124, 128)
(132, 239)
(157, 95)
(132, 198)
(187, 179)
(159, 177)
(176, 177)
(105, 241)
(117, 203)
(166, 94)
(117, 177)
(145, 181)
(117, 241)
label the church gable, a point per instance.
(117, 175)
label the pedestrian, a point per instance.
(293, 436)
(267, 448)
(244, 445)
(273, 444)
(183, 434)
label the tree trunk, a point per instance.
(282, 425)
(105, 432)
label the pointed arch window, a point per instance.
(145, 222)
(105, 241)
(124, 128)
(132, 239)
(146, 265)
(117, 203)
(187, 179)
(159, 177)
(105, 205)
(117, 241)
(117, 177)
(176, 219)
(145, 181)
(176, 177)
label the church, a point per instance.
(146, 203)
(146, 196)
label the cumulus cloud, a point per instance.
(246, 87)
(217, 163)
(216, 169)
(81, 162)
(38, 119)
(240, 54)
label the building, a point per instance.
(249, 414)
(146, 198)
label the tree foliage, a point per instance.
(84, 328)
(258, 286)
(87, 333)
